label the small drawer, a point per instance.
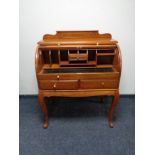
(98, 84)
(58, 84)
(76, 57)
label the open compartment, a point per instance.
(63, 55)
(105, 60)
(50, 56)
(54, 56)
(77, 58)
(92, 55)
(102, 51)
(45, 56)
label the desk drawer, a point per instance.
(77, 76)
(58, 84)
(98, 84)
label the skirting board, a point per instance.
(121, 95)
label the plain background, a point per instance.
(38, 17)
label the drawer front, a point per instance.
(58, 84)
(76, 76)
(98, 84)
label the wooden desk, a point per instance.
(78, 64)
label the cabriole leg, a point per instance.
(112, 108)
(43, 109)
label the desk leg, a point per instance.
(112, 108)
(43, 109)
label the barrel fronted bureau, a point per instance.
(78, 64)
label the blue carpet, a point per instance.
(77, 126)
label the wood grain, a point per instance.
(74, 50)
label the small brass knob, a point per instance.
(58, 77)
(54, 86)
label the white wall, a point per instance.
(38, 17)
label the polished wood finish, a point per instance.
(58, 84)
(78, 64)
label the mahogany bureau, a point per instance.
(78, 64)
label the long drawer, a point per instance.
(77, 76)
(58, 84)
(98, 84)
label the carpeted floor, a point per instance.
(77, 126)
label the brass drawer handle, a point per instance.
(58, 77)
(54, 86)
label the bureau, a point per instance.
(78, 64)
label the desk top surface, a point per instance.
(78, 70)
